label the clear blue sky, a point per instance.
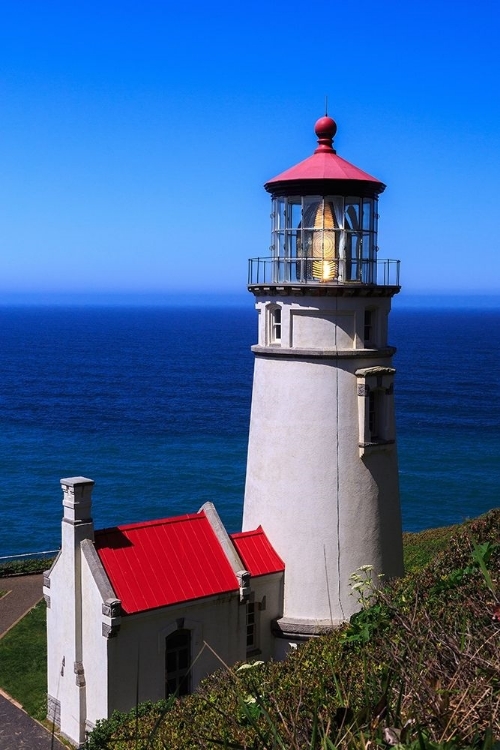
(135, 137)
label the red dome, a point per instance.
(324, 172)
(325, 129)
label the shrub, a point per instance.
(26, 566)
(418, 668)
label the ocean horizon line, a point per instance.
(404, 300)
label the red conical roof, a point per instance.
(315, 174)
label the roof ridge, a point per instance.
(153, 522)
(251, 532)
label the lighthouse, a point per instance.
(322, 470)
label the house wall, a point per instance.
(65, 663)
(268, 594)
(55, 581)
(94, 647)
(137, 654)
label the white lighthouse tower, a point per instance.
(322, 472)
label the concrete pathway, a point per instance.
(23, 593)
(18, 731)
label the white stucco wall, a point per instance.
(326, 509)
(218, 625)
(95, 647)
(268, 594)
(58, 580)
(137, 654)
(66, 680)
(324, 322)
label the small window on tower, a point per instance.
(375, 402)
(368, 330)
(275, 325)
(375, 407)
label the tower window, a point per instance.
(178, 662)
(275, 325)
(368, 326)
(375, 407)
(375, 399)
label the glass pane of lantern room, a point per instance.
(312, 219)
(369, 261)
(279, 214)
(295, 212)
(293, 217)
(367, 246)
(311, 212)
(353, 265)
(352, 213)
(278, 234)
(368, 214)
(336, 203)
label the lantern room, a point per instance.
(324, 223)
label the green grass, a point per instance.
(23, 662)
(420, 548)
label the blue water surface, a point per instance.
(153, 403)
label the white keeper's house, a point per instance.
(141, 611)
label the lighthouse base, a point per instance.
(289, 632)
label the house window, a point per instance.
(178, 662)
(251, 626)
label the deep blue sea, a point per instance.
(153, 404)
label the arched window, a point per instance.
(275, 325)
(178, 662)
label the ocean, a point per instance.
(153, 403)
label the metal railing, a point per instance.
(48, 553)
(309, 271)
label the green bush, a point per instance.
(26, 566)
(418, 667)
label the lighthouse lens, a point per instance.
(318, 241)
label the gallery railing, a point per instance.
(317, 271)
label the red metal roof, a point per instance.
(157, 563)
(173, 560)
(256, 552)
(324, 165)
